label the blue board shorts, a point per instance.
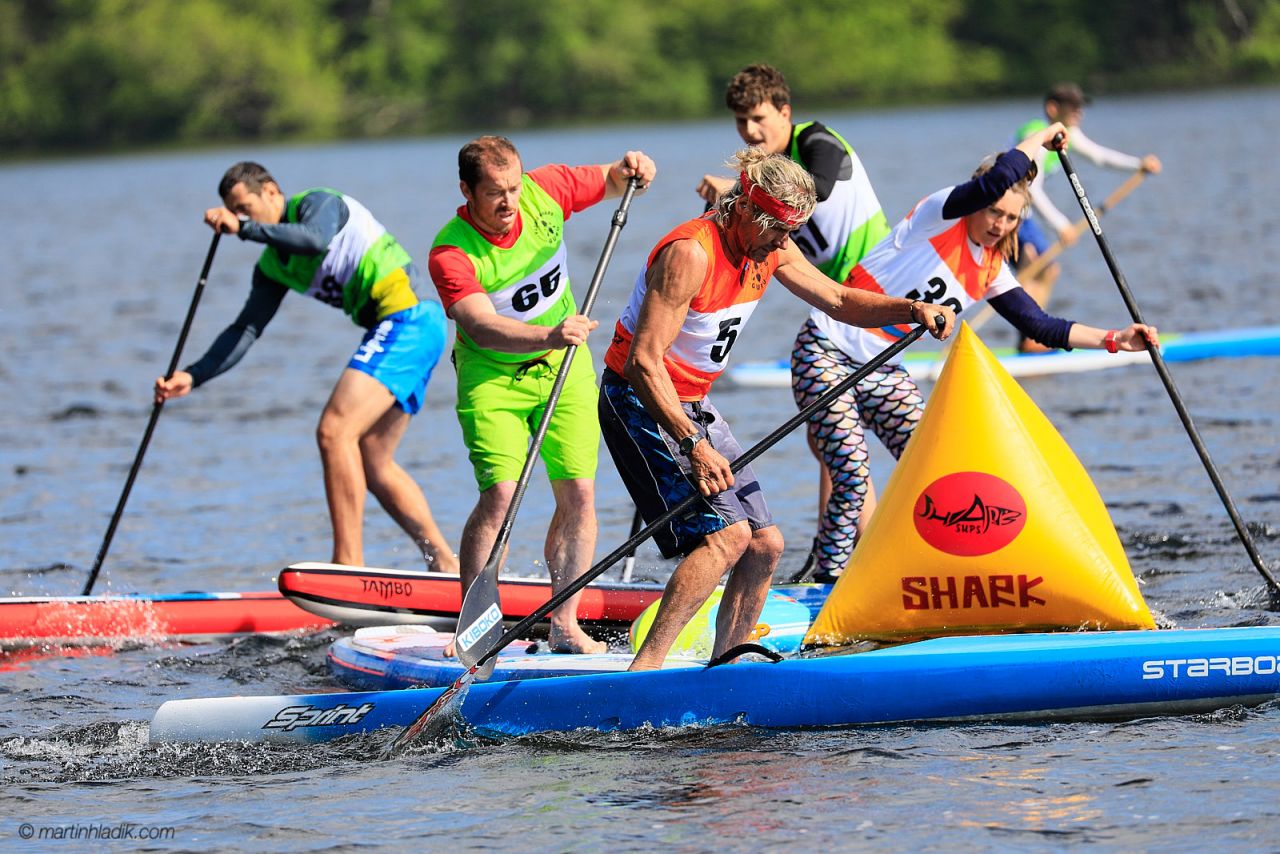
(657, 474)
(1030, 232)
(402, 350)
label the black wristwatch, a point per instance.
(687, 443)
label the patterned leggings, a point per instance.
(887, 401)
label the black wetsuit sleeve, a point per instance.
(824, 157)
(229, 347)
(1017, 307)
(976, 194)
(321, 215)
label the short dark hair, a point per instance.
(1069, 95)
(252, 175)
(493, 150)
(754, 85)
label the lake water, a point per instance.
(98, 271)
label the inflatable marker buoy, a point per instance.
(988, 524)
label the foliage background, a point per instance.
(102, 74)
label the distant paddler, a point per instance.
(950, 250)
(687, 312)
(326, 245)
(1063, 103)
(501, 268)
(846, 222)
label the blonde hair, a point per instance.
(776, 174)
(1008, 245)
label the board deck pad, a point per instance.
(385, 657)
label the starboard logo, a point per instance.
(969, 513)
(293, 717)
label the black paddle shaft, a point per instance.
(155, 416)
(1163, 370)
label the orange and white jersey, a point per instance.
(925, 257)
(717, 314)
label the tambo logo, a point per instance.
(969, 513)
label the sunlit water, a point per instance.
(101, 259)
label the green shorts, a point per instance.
(500, 405)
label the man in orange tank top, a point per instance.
(686, 313)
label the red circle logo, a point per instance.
(970, 513)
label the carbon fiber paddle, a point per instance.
(1167, 378)
(155, 416)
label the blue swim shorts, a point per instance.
(656, 473)
(402, 350)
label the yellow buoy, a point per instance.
(988, 524)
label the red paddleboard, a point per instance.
(181, 616)
(364, 596)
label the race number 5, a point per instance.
(725, 341)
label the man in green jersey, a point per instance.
(327, 245)
(500, 267)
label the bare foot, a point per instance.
(450, 650)
(574, 640)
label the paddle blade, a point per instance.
(434, 723)
(479, 622)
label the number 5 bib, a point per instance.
(718, 312)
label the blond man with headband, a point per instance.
(687, 312)
(950, 250)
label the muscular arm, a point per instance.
(234, 341)
(671, 283)
(853, 306)
(320, 216)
